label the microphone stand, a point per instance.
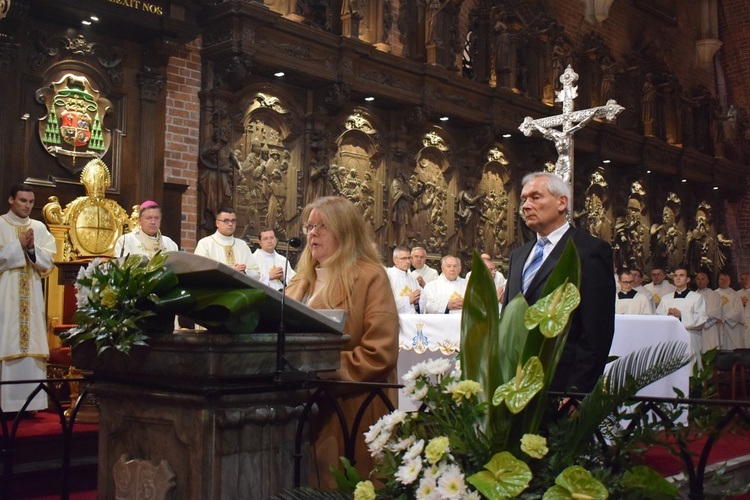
(281, 375)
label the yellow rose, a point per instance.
(364, 491)
(109, 297)
(465, 389)
(436, 448)
(534, 446)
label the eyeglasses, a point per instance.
(228, 221)
(626, 282)
(308, 228)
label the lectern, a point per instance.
(204, 410)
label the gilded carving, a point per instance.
(631, 243)
(667, 239)
(94, 221)
(593, 218)
(73, 126)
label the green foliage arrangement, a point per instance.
(490, 431)
(120, 302)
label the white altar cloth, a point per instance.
(429, 336)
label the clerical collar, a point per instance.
(682, 294)
(628, 295)
(223, 240)
(14, 219)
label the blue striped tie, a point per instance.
(535, 264)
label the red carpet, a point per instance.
(732, 444)
(43, 423)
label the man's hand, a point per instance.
(240, 267)
(744, 300)
(275, 273)
(27, 239)
(457, 303)
(414, 296)
(500, 293)
(420, 280)
(673, 311)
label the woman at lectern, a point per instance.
(339, 269)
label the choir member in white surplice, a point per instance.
(26, 252)
(659, 286)
(628, 300)
(712, 328)
(733, 328)
(271, 263)
(687, 306)
(223, 247)
(744, 294)
(445, 295)
(147, 238)
(638, 287)
(406, 290)
(420, 269)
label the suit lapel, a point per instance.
(517, 270)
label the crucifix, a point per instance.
(571, 121)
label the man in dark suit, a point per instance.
(544, 200)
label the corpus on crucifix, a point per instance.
(571, 121)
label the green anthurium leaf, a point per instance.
(551, 313)
(517, 392)
(647, 483)
(232, 310)
(576, 482)
(160, 281)
(507, 352)
(479, 321)
(567, 269)
(505, 476)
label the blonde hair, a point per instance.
(354, 237)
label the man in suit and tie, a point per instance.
(544, 200)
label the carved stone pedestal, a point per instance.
(208, 406)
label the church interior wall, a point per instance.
(322, 120)
(181, 148)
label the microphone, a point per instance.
(281, 335)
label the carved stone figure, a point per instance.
(647, 110)
(468, 214)
(667, 237)
(216, 178)
(402, 210)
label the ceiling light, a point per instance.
(684, 180)
(279, 74)
(86, 22)
(506, 135)
(94, 18)
(648, 171)
(369, 98)
(444, 118)
(606, 161)
(716, 188)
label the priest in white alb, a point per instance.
(628, 300)
(420, 269)
(445, 295)
(687, 306)
(223, 247)
(714, 312)
(147, 238)
(27, 250)
(272, 264)
(406, 290)
(744, 294)
(733, 329)
(659, 286)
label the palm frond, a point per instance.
(626, 377)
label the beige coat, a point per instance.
(370, 356)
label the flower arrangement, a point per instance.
(489, 429)
(116, 302)
(121, 301)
